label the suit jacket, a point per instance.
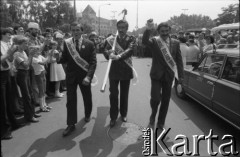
(73, 71)
(159, 66)
(119, 69)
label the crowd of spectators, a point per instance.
(29, 74)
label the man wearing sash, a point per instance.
(167, 64)
(80, 57)
(121, 70)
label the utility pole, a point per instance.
(137, 17)
(184, 10)
(75, 11)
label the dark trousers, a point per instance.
(23, 81)
(124, 90)
(50, 86)
(72, 101)
(17, 104)
(8, 119)
(160, 92)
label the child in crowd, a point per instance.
(56, 70)
(38, 63)
(22, 63)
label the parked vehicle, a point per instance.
(215, 83)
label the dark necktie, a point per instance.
(77, 45)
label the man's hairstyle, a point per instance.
(211, 38)
(49, 30)
(191, 36)
(46, 33)
(123, 21)
(4, 31)
(16, 27)
(182, 39)
(163, 24)
(19, 39)
(191, 41)
(74, 24)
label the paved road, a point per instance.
(44, 139)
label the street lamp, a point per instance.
(99, 16)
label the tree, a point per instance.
(5, 17)
(229, 14)
(184, 22)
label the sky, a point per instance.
(158, 10)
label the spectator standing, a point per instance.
(8, 120)
(22, 63)
(38, 63)
(209, 45)
(57, 73)
(33, 41)
(50, 86)
(184, 49)
(192, 56)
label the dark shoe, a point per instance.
(36, 115)
(7, 136)
(87, 119)
(33, 120)
(112, 123)
(68, 130)
(124, 119)
(152, 120)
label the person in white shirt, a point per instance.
(38, 63)
(193, 53)
(8, 119)
(184, 49)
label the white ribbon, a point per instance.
(167, 56)
(119, 50)
(78, 59)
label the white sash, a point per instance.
(128, 61)
(167, 56)
(78, 59)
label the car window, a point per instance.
(211, 64)
(231, 70)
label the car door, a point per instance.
(202, 79)
(226, 97)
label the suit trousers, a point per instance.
(72, 101)
(160, 92)
(124, 90)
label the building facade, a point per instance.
(101, 26)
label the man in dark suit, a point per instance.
(80, 57)
(120, 71)
(162, 71)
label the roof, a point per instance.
(226, 27)
(88, 10)
(194, 30)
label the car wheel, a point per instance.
(179, 90)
